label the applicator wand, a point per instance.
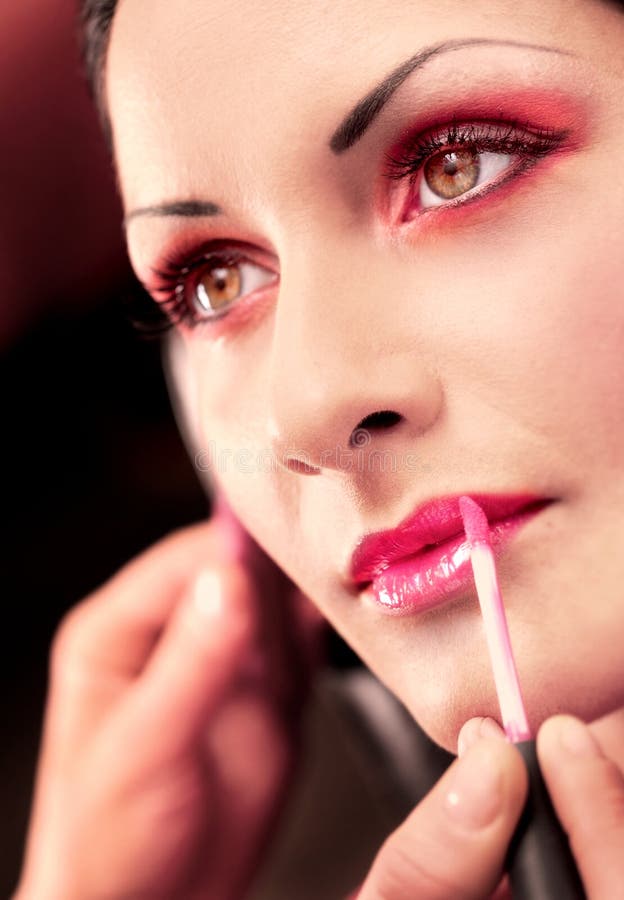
(539, 862)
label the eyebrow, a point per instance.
(355, 122)
(368, 108)
(185, 208)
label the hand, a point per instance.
(171, 724)
(587, 790)
(454, 843)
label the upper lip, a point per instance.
(431, 523)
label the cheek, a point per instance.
(533, 333)
(571, 335)
(235, 451)
(230, 398)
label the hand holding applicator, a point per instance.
(540, 862)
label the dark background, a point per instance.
(93, 469)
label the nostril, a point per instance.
(385, 418)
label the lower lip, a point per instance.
(438, 575)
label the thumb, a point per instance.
(454, 843)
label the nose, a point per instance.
(348, 369)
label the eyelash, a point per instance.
(168, 292)
(512, 138)
(508, 138)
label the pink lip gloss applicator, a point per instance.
(539, 862)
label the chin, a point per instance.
(443, 717)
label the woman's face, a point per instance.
(475, 296)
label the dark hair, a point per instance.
(96, 18)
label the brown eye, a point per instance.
(218, 287)
(452, 173)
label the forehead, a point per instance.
(228, 87)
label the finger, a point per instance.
(475, 729)
(454, 843)
(194, 664)
(110, 635)
(104, 641)
(587, 790)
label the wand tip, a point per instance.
(475, 521)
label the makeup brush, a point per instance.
(539, 861)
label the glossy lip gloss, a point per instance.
(430, 577)
(424, 561)
(539, 861)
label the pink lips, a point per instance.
(424, 561)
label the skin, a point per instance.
(492, 329)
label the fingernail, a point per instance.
(576, 738)
(474, 730)
(208, 595)
(468, 736)
(490, 728)
(475, 795)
